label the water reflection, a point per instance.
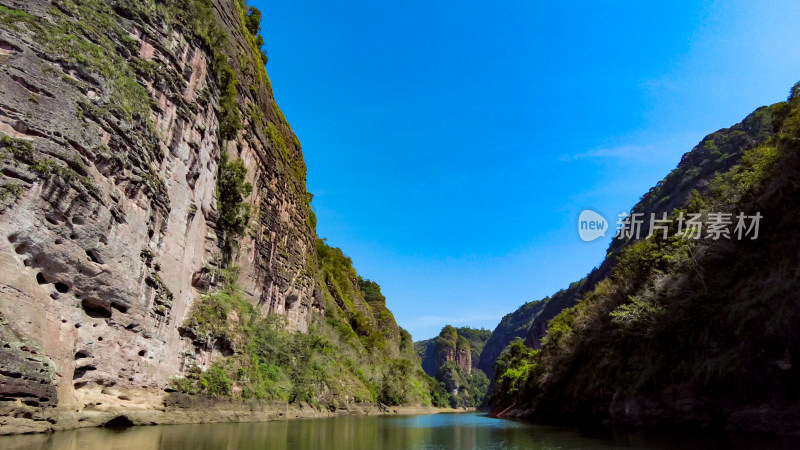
(439, 431)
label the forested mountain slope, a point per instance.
(683, 330)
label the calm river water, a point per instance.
(438, 431)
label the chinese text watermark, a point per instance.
(714, 226)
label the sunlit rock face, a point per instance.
(449, 346)
(108, 229)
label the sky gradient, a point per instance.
(451, 145)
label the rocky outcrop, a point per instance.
(459, 354)
(463, 346)
(113, 119)
(450, 346)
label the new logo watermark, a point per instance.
(592, 225)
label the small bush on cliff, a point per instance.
(234, 212)
(210, 315)
(230, 119)
(253, 21)
(215, 383)
(371, 290)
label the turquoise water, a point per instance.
(428, 432)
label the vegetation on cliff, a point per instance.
(686, 330)
(234, 211)
(355, 352)
(716, 153)
(513, 325)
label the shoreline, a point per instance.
(188, 409)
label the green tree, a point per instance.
(253, 20)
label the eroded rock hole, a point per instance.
(81, 371)
(94, 310)
(290, 302)
(121, 308)
(77, 220)
(21, 248)
(81, 355)
(119, 422)
(142, 352)
(61, 287)
(92, 256)
(40, 278)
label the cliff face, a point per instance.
(113, 118)
(460, 345)
(452, 358)
(459, 354)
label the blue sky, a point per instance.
(451, 145)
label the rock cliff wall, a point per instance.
(113, 118)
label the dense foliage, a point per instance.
(513, 325)
(704, 328)
(356, 352)
(232, 192)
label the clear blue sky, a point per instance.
(451, 145)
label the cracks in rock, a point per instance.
(7, 48)
(25, 375)
(30, 87)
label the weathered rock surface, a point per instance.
(108, 227)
